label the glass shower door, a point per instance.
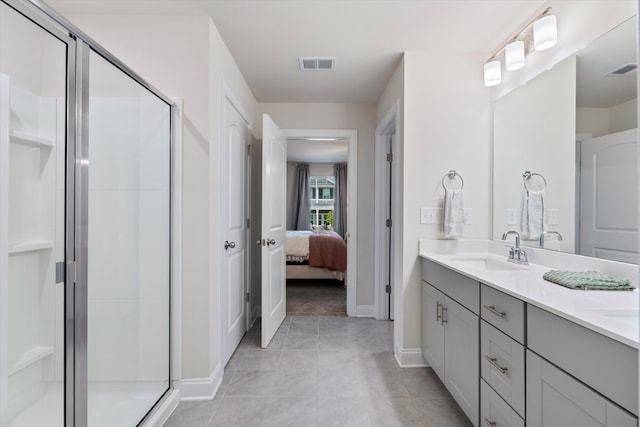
(33, 130)
(128, 247)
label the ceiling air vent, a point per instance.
(623, 70)
(316, 64)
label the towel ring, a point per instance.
(452, 175)
(526, 176)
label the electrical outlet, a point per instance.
(430, 215)
(553, 216)
(468, 216)
(512, 216)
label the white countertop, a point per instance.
(611, 313)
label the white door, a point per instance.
(234, 220)
(274, 173)
(609, 197)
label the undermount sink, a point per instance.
(489, 264)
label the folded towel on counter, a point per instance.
(533, 214)
(588, 280)
(453, 218)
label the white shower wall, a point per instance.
(128, 289)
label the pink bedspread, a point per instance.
(327, 249)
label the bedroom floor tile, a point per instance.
(323, 371)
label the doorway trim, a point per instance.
(352, 203)
(389, 125)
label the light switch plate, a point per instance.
(430, 215)
(553, 216)
(512, 216)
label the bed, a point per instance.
(315, 255)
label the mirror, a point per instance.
(566, 144)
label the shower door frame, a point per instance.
(79, 46)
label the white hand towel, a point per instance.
(533, 214)
(453, 218)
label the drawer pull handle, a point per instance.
(438, 311)
(492, 308)
(490, 423)
(444, 318)
(494, 362)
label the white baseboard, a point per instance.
(366, 311)
(409, 357)
(164, 410)
(202, 388)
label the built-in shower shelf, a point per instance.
(29, 246)
(30, 140)
(30, 357)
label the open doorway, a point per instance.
(321, 209)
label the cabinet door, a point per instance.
(556, 399)
(432, 329)
(462, 373)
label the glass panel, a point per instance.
(128, 258)
(32, 176)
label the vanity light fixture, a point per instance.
(538, 34)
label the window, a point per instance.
(322, 188)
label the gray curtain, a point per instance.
(300, 206)
(340, 199)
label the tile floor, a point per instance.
(323, 371)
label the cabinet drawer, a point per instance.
(460, 288)
(502, 365)
(604, 364)
(554, 398)
(494, 411)
(504, 312)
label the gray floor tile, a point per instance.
(386, 412)
(423, 382)
(350, 411)
(194, 414)
(291, 412)
(303, 328)
(252, 383)
(441, 412)
(295, 384)
(301, 342)
(323, 371)
(260, 360)
(240, 411)
(297, 360)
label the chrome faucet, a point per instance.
(516, 254)
(548, 233)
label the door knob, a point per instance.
(228, 244)
(271, 242)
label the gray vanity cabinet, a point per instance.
(556, 399)
(450, 334)
(432, 330)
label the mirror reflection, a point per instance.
(566, 153)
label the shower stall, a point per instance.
(85, 247)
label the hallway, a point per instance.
(323, 371)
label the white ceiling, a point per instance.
(367, 37)
(303, 150)
(595, 87)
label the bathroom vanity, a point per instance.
(513, 348)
